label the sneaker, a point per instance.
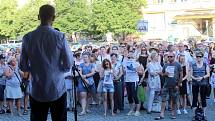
(178, 112)
(19, 114)
(130, 113)
(25, 112)
(8, 111)
(205, 118)
(137, 113)
(2, 111)
(94, 103)
(185, 111)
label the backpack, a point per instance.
(199, 114)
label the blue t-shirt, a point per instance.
(87, 70)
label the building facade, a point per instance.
(180, 19)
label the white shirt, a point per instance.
(188, 58)
(102, 57)
(130, 66)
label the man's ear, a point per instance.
(38, 17)
(53, 18)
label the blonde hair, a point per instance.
(153, 55)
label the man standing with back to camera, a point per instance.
(46, 55)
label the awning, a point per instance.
(196, 16)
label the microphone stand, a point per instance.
(75, 82)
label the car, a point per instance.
(2, 48)
(75, 47)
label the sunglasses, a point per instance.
(170, 56)
(106, 63)
(199, 56)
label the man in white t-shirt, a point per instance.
(115, 49)
(181, 51)
(103, 54)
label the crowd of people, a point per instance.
(175, 74)
(178, 75)
(10, 81)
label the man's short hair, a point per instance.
(115, 47)
(46, 12)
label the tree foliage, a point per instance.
(27, 16)
(72, 16)
(117, 16)
(92, 16)
(7, 18)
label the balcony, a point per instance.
(193, 5)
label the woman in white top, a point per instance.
(107, 75)
(132, 68)
(154, 83)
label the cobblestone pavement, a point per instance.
(97, 115)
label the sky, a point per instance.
(22, 2)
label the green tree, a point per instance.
(117, 16)
(72, 15)
(27, 16)
(7, 19)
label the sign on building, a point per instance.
(142, 26)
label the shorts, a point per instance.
(169, 92)
(108, 88)
(81, 88)
(2, 88)
(183, 89)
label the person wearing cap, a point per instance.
(200, 73)
(2, 82)
(77, 58)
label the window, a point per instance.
(173, 1)
(158, 1)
